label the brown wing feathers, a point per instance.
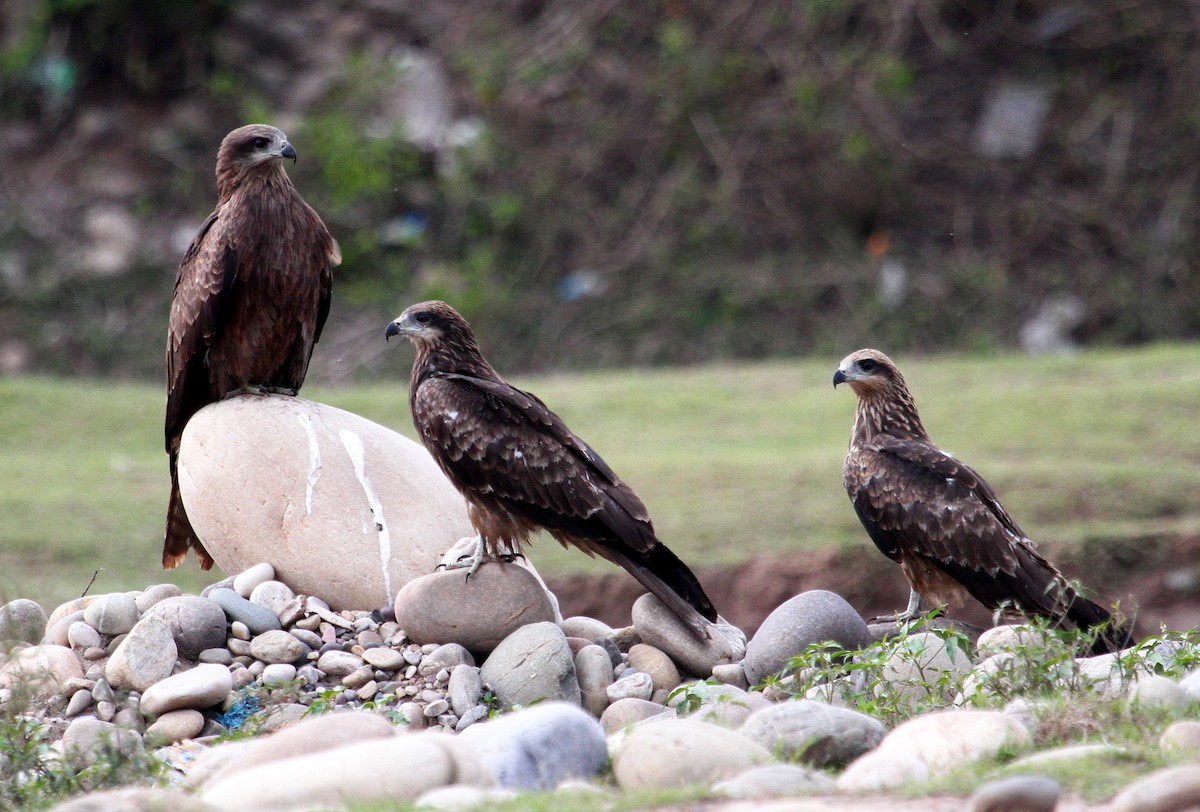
(522, 469)
(938, 517)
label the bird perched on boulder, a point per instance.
(521, 469)
(250, 299)
(939, 520)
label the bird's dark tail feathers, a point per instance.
(1087, 615)
(669, 580)
(179, 536)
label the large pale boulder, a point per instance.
(340, 506)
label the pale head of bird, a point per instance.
(868, 372)
(430, 323)
(252, 145)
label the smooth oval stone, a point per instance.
(682, 752)
(41, 670)
(657, 664)
(386, 658)
(155, 594)
(342, 507)
(196, 623)
(82, 636)
(1026, 793)
(1185, 735)
(476, 612)
(114, 613)
(174, 726)
(464, 689)
(625, 712)
(273, 595)
(540, 747)
(245, 581)
(815, 616)
(21, 621)
(595, 674)
(276, 646)
(198, 688)
(661, 628)
(1171, 790)
(818, 734)
(586, 628)
(338, 664)
(533, 663)
(258, 619)
(87, 741)
(145, 656)
(774, 781)
(635, 685)
(278, 674)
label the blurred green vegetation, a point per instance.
(1095, 452)
(672, 183)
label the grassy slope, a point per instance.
(732, 461)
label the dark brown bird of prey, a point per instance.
(938, 519)
(521, 469)
(250, 300)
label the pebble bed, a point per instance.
(574, 706)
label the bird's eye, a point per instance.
(867, 365)
(422, 318)
(260, 142)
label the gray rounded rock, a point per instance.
(625, 712)
(82, 636)
(258, 619)
(174, 726)
(476, 612)
(21, 621)
(278, 674)
(774, 781)
(1173, 789)
(273, 595)
(145, 656)
(658, 626)
(533, 663)
(112, 614)
(1021, 793)
(155, 594)
(682, 752)
(540, 747)
(338, 664)
(634, 685)
(198, 688)
(657, 664)
(445, 656)
(465, 689)
(586, 628)
(815, 616)
(813, 732)
(245, 582)
(88, 741)
(196, 623)
(276, 646)
(595, 674)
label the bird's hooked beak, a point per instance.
(839, 377)
(399, 327)
(288, 151)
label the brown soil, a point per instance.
(1156, 580)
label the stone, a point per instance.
(477, 612)
(1020, 793)
(41, 670)
(457, 797)
(1009, 638)
(1157, 691)
(196, 623)
(386, 658)
(813, 732)
(220, 656)
(145, 656)
(82, 636)
(313, 734)
(635, 685)
(351, 774)
(21, 621)
(198, 688)
(465, 689)
(1169, 790)
(657, 664)
(941, 742)
(594, 672)
(245, 581)
(883, 772)
(258, 619)
(56, 631)
(1047, 759)
(155, 594)
(278, 674)
(338, 664)
(273, 595)
(1184, 735)
(174, 726)
(277, 646)
(815, 616)
(659, 627)
(774, 781)
(731, 674)
(682, 752)
(585, 627)
(133, 799)
(447, 656)
(79, 702)
(344, 508)
(1191, 684)
(540, 747)
(920, 665)
(112, 614)
(87, 741)
(533, 663)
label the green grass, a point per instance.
(733, 461)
